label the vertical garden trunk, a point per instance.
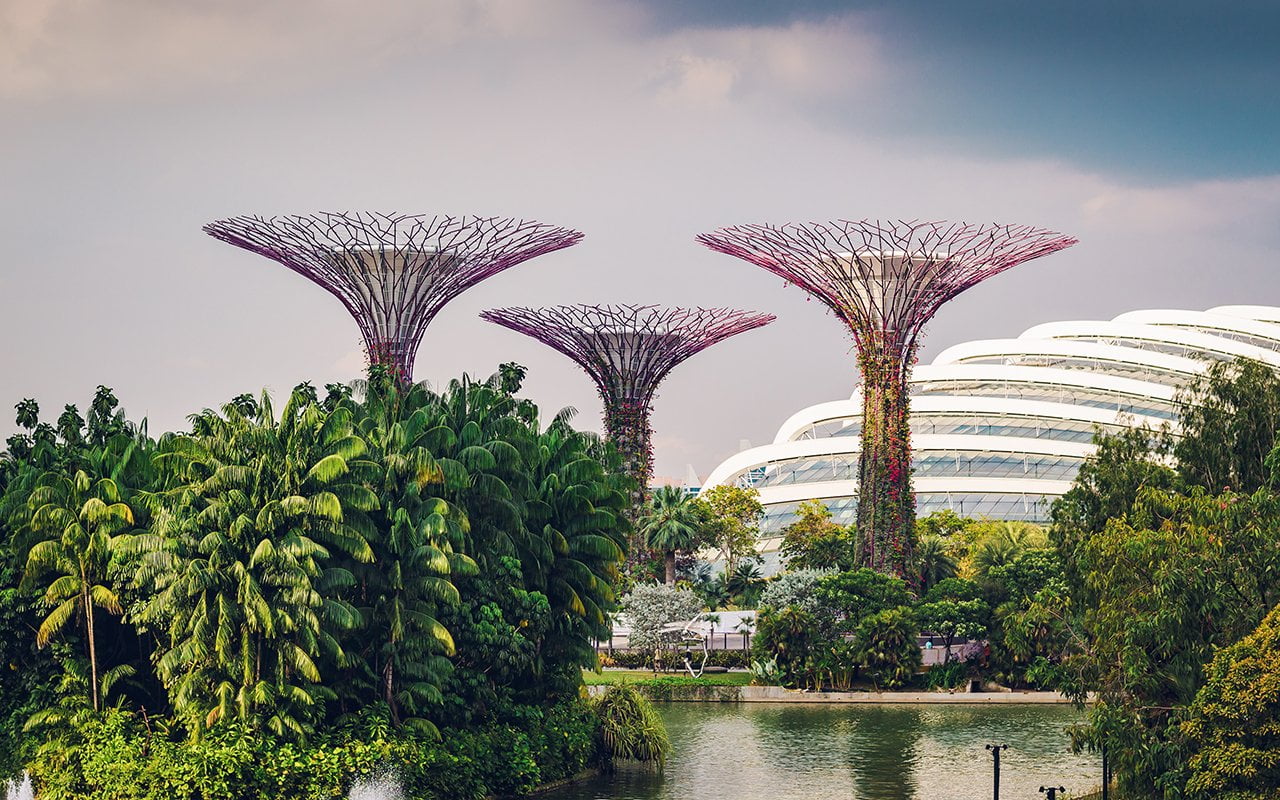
(886, 504)
(627, 425)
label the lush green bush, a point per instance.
(887, 648)
(789, 637)
(115, 756)
(1233, 725)
(950, 675)
(630, 728)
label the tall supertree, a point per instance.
(628, 350)
(393, 272)
(885, 280)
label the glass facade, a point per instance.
(844, 510)
(1053, 393)
(1098, 366)
(1059, 430)
(1236, 336)
(927, 464)
(1154, 346)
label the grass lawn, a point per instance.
(665, 678)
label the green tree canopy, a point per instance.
(813, 541)
(1233, 727)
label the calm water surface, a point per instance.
(864, 752)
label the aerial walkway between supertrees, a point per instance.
(885, 281)
(393, 272)
(628, 350)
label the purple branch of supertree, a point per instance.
(885, 280)
(393, 272)
(627, 349)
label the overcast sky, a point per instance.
(1151, 132)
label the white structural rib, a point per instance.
(1006, 423)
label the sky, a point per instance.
(1150, 131)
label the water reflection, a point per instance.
(863, 752)
(885, 750)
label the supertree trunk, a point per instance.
(627, 426)
(886, 503)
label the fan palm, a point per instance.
(670, 524)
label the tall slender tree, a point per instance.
(86, 524)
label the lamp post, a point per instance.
(995, 749)
(1106, 775)
(1051, 792)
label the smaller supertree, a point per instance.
(628, 350)
(393, 272)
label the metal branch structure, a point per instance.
(885, 281)
(628, 350)
(393, 272)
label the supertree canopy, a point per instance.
(885, 280)
(627, 350)
(393, 272)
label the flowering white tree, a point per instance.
(652, 607)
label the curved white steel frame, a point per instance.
(983, 407)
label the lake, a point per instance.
(755, 751)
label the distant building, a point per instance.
(1000, 427)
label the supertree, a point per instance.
(885, 280)
(393, 272)
(628, 350)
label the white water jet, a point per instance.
(381, 785)
(20, 790)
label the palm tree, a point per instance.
(933, 562)
(670, 524)
(242, 560)
(83, 520)
(410, 579)
(1006, 542)
(578, 512)
(744, 582)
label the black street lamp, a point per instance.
(1051, 793)
(995, 766)
(1106, 775)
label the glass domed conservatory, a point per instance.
(999, 427)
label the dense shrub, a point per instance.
(887, 647)
(630, 728)
(113, 755)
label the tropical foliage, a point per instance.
(438, 564)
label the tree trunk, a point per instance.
(93, 649)
(671, 566)
(388, 693)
